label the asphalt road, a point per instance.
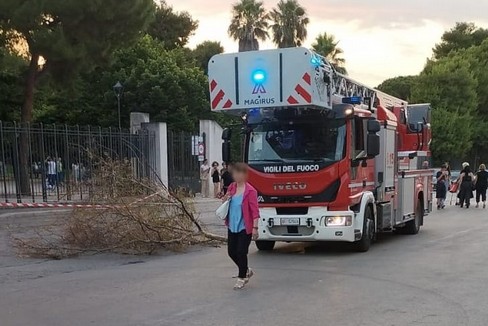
(438, 277)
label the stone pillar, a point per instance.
(136, 120)
(160, 154)
(213, 143)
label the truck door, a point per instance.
(361, 174)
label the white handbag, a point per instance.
(223, 210)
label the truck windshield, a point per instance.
(322, 140)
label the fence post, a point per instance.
(16, 166)
(3, 169)
(79, 175)
(56, 152)
(90, 153)
(30, 162)
(67, 166)
(43, 166)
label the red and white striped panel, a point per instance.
(301, 94)
(217, 97)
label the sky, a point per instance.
(380, 38)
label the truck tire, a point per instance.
(413, 226)
(368, 232)
(265, 245)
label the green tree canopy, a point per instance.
(450, 86)
(11, 69)
(289, 24)
(63, 37)
(204, 51)
(327, 46)
(156, 80)
(400, 86)
(461, 36)
(249, 24)
(172, 28)
(477, 57)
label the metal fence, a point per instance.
(45, 163)
(183, 169)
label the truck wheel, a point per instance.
(368, 232)
(413, 227)
(265, 245)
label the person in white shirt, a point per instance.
(204, 176)
(51, 172)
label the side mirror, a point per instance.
(374, 126)
(373, 149)
(226, 134)
(226, 151)
(416, 127)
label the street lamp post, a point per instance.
(118, 89)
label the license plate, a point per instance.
(290, 221)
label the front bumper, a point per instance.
(310, 227)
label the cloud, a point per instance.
(396, 13)
(380, 38)
(370, 13)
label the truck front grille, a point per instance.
(291, 231)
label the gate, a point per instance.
(183, 166)
(55, 163)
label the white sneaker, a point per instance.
(241, 283)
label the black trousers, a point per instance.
(480, 192)
(238, 248)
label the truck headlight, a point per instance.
(338, 221)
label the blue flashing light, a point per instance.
(352, 100)
(259, 76)
(315, 61)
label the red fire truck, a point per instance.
(331, 159)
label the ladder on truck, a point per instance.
(344, 86)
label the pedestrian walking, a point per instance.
(226, 177)
(216, 179)
(466, 180)
(441, 187)
(481, 185)
(242, 222)
(51, 172)
(204, 174)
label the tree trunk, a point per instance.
(26, 119)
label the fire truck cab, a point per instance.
(324, 151)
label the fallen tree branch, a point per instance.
(141, 217)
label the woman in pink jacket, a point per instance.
(242, 222)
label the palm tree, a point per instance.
(326, 45)
(289, 24)
(249, 24)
